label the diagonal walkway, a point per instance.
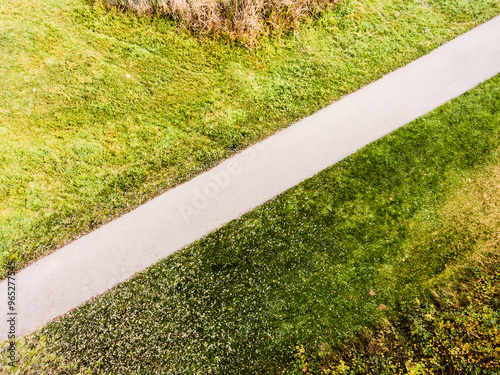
(116, 251)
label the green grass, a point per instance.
(91, 143)
(298, 269)
(452, 328)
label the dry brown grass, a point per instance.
(242, 20)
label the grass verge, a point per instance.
(300, 269)
(102, 111)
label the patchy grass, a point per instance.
(299, 270)
(102, 111)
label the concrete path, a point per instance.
(116, 251)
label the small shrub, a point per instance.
(242, 20)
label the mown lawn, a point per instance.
(101, 111)
(391, 219)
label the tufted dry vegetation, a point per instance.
(242, 20)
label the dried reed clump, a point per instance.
(242, 20)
